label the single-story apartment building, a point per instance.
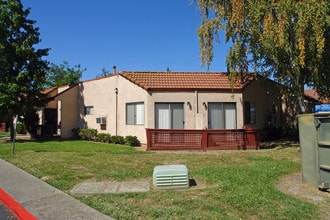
(312, 98)
(128, 102)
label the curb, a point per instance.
(15, 207)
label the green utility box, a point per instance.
(314, 136)
(171, 176)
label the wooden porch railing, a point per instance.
(187, 139)
(2, 126)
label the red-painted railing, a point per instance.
(187, 139)
(2, 126)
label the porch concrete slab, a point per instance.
(94, 188)
(111, 187)
(126, 187)
(87, 188)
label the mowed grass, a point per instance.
(230, 184)
(2, 133)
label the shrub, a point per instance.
(132, 141)
(105, 138)
(75, 133)
(271, 133)
(92, 135)
(87, 134)
(20, 128)
(31, 122)
(117, 139)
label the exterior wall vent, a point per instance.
(171, 177)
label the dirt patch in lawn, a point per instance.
(293, 185)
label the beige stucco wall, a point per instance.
(101, 94)
(264, 93)
(196, 116)
(68, 109)
(128, 93)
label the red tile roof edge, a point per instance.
(229, 85)
(312, 93)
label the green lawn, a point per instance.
(4, 133)
(230, 185)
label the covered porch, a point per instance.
(203, 139)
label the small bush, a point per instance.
(20, 128)
(92, 135)
(88, 134)
(117, 139)
(132, 141)
(105, 138)
(271, 133)
(75, 133)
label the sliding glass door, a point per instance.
(169, 116)
(222, 115)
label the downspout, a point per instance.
(196, 94)
(116, 114)
(116, 103)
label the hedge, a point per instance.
(92, 135)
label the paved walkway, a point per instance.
(42, 200)
(87, 188)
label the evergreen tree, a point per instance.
(22, 69)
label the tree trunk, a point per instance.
(301, 104)
(12, 130)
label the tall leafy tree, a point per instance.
(22, 69)
(286, 39)
(63, 74)
(105, 72)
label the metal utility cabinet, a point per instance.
(314, 136)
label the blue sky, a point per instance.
(146, 35)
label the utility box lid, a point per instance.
(171, 176)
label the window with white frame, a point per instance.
(88, 110)
(222, 115)
(169, 115)
(135, 113)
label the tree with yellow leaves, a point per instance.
(288, 40)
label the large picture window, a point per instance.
(222, 115)
(169, 116)
(135, 113)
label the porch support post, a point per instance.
(148, 139)
(204, 140)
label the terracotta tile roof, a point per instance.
(312, 93)
(48, 90)
(183, 80)
(56, 88)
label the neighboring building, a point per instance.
(50, 115)
(312, 98)
(129, 102)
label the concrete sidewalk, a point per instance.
(42, 200)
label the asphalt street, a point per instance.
(5, 213)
